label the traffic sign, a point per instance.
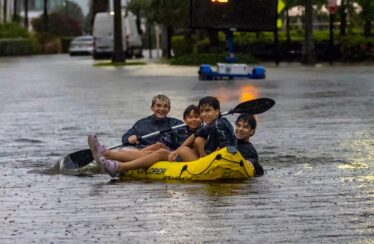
(332, 5)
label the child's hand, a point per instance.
(133, 139)
(172, 156)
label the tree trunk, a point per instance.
(5, 13)
(288, 36)
(15, 11)
(213, 38)
(169, 36)
(26, 20)
(308, 54)
(367, 28)
(45, 15)
(343, 18)
(118, 53)
(166, 34)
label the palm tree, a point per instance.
(5, 10)
(15, 11)
(308, 52)
(118, 54)
(26, 6)
(45, 15)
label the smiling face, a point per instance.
(192, 120)
(208, 113)
(243, 130)
(160, 108)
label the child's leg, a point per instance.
(154, 147)
(124, 155)
(145, 161)
(187, 154)
(128, 155)
(199, 146)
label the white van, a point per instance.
(104, 37)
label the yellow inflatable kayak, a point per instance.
(224, 164)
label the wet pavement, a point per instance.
(316, 146)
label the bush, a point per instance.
(16, 40)
(210, 58)
(65, 43)
(202, 46)
(13, 30)
(181, 46)
(357, 48)
(52, 46)
(15, 46)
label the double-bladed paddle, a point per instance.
(82, 158)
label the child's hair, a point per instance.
(211, 101)
(189, 109)
(161, 98)
(247, 118)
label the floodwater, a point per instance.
(316, 146)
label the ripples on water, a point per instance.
(316, 146)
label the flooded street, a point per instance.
(316, 145)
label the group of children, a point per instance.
(205, 132)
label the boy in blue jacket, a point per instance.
(245, 127)
(158, 121)
(191, 117)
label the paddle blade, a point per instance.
(78, 159)
(256, 106)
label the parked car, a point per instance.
(103, 36)
(81, 45)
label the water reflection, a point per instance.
(248, 92)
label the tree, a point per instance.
(172, 15)
(367, 14)
(118, 53)
(308, 52)
(5, 10)
(71, 10)
(26, 20)
(15, 16)
(58, 25)
(45, 15)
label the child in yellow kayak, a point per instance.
(158, 121)
(245, 127)
(191, 117)
(217, 133)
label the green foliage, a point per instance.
(181, 45)
(65, 43)
(72, 10)
(18, 46)
(209, 58)
(202, 46)
(169, 13)
(357, 48)
(15, 40)
(13, 30)
(58, 25)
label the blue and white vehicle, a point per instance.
(230, 71)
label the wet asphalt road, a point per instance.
(316, 145)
